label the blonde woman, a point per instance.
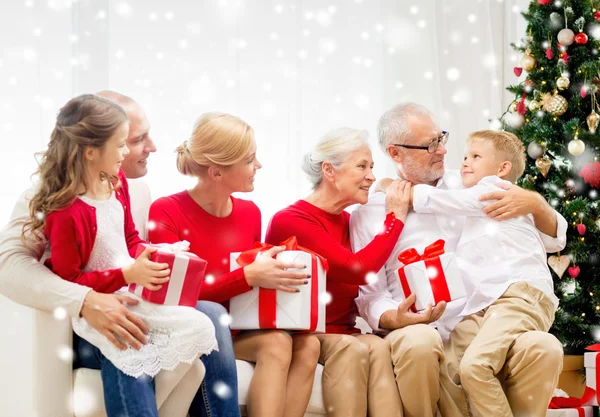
(221, 154)
(340, 172)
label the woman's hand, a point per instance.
(267, 272)
(144, 272)
(398, 198)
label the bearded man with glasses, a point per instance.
(427, 376)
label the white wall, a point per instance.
(292, 69)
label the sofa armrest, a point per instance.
(36, 362)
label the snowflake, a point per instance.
(65, 353)
(491, 229)
(222, 390)
(472, 18)
(209, 279)
(414, 9)
(60, 313)
(225, 320)
(325, 298)
(453, 74)
(371, 278)
(432, 272)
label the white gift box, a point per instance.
(570, 412)
(423, 278)
(293, 311)
(589, 361)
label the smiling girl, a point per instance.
(82, 207)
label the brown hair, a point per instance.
(219, 139)
(508, 147)
(86, 120)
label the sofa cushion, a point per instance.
(88, 396)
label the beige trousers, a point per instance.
(417, 352)
(358, 377)
(504, 358)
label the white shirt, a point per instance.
(491, 254)
(27, 281)
(420, 230)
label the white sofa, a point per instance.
(37, 379)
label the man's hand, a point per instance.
(107, 314)
(403, 316)
(513, 202)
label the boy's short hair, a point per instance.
(508, 146)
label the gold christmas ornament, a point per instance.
(543, 164)
(592, 121)
(559, 264)
(555, 104)
(513, 107)
(528, 62)
(563, 83)
(533, 105)
(576, 147)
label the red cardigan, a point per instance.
(178, 217)
(329, 235)
(71, 233)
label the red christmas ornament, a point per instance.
(583, 91)
(597, 15)
(574, 271)
(581, 38)
(581, 229)
(518, 71)
(591, 174)
(521, 109)
(549, 53)
(544, 2)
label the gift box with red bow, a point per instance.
(187, 274)
(432, 276)
(591, 361)
(263, 308)
(561, 405)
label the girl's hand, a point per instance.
(267, 272)
(144, 272)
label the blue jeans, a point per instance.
(124, 396)
(218, 394)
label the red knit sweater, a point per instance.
(179, 217)
(71, 233)
(329, 235)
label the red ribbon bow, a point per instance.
(571, 402)
(411, 255)
(267, 298)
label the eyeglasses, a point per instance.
(433, 146)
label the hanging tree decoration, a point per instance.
(535, 150)
(593, 118)
(543, 164)
(566, 35)
(576, 146)
(528, 62)
(549, 53)
(559, 264)
(554, 103)
(581, 38)
(563, 82)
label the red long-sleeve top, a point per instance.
(71, 233)
(179, 217)
(328, 235)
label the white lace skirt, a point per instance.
(176, 334)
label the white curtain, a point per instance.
(292, 69)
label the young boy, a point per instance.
(504, 268)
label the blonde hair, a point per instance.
(217, 139)
(86, 120)
(334, 148)
(508, 147)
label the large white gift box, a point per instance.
(571, 412)
(263, 308)
(589, 361)
(433, 276)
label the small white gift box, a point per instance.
(571, 412)
(589, 361)
(263, 308)
(433, 276)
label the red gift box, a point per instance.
(187, 274)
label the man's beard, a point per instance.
(420, 174)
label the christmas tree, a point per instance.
(554, 114)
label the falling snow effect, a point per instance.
(222, 390)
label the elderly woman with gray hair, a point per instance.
(340, 170)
